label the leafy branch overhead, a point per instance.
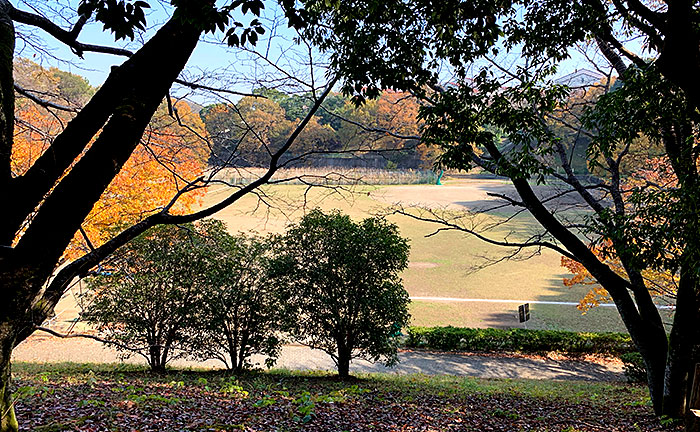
(123, 18)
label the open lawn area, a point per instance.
(443, 265)
(88, 397)
(449, 264)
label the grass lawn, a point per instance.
(442, 265)
(544, 317)
(85, 397)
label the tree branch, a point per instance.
(89, 336)
(73, 198)
(453, 226)
(67, 37)
(83, 264)
(43, 102)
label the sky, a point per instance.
(225, 67)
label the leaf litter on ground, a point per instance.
(92, 398)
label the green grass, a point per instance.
(597, 393)
(87, 397)
(543, 317)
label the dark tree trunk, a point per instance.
(693, 418)
(684, 342)
(232, 351)
(154, 355)
(242, 351)
(344, 357)
(677, 373)
(7, 94)
(7, 342)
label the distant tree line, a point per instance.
(382, 133)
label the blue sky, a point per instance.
(227, 67)
(233, 68)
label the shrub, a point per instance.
(518, 340)
(144, 305)
(190, 291)
(635, 369)
(340, 280)
(240, 313)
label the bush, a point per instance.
(635, 369)
(191, 291)
(518, 340)
(340, 281)
(144, 305)
(240, 312)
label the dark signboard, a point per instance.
(524, 312)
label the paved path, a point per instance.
(46, 349)
(480, 300)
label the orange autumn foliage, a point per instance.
(168, 157)
(650, 170)
(580, 276)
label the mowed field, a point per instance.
(443, 265)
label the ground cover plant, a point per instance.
(108, 398)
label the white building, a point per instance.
(580, 78)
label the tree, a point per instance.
(247, 133)
(650, 228)
(340, 280)
(146, 181)
(52, 199)
(146, 302)
(240, 313)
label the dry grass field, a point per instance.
(443, 265)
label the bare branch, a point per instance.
(452, 226)
(43, 102)
(89, 336)
(67, 37)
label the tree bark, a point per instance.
(344, 357)
(8, 423)
(7, 92)
(692, 423)
(684, 341)
(154, 356)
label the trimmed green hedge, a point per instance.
(635, 369)
(518, 340)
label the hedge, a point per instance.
(518, 340)
(635, 369)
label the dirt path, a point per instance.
(49, 349)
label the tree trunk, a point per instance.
(693, 417)
(655, 363)
(683, 340)
(7, 411)
(344, 356)
(154, 355)
(7, 95)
